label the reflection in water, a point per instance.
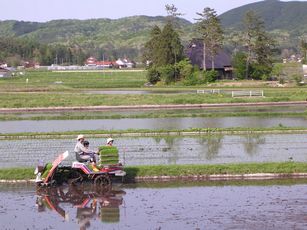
(209, 147)
(168, 148)
(252, 143)
(89, 203)
(213, 146)
(185, 205)
(204, 149)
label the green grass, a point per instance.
(22, 100)
(67, 81)
(195, 170)
(231, 112)
(17, 174)
(182, 170)
(45, 89)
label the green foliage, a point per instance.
(258, 46)
(198, 77)
(195, 78)
(16, 50)
(277, 70)
(112, 38)
(285, 21)
(303, 47)
(289, 16)
(211, 32)
(127, 36)
(281, 80)
(239, 64)
(167, 73)
(297, 78)
(184, 68)
(153, 75)
(260, 72)
(152, 47)
(164, 47)
(210, 76)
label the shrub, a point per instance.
(297, 78)
(239, 64)
(281, 80)
(194, 78)
(184, 68)
(167, 73)
(153, 75)
(260, 72)
(209, 76)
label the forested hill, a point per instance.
(130, 31)
(127, 36)
(133, 31)
(277, 15)
(113, 37)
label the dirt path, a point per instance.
(148, 107)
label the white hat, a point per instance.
(109, 140)
(80, 137)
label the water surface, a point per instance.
(149, 123)
(198, 207)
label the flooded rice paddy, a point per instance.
(149, 123)
(209, 205)
(279, 205)
(155, 119)
(212, 149)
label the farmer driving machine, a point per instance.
(80, 171)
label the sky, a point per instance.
(47, 10)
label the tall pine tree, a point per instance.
(259, 46)
(210, 30)
(164, 47)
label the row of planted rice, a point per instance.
(164, 150)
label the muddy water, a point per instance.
(216, 206)
(149, 123)
(168, 150)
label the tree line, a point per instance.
(16, 50)
(252, 51)
(252, 57)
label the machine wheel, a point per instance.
(75, 177)
(102, 181)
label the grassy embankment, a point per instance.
(179, 113)
(182, 170)
(45, 89)
(21, 100)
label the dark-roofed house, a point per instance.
(222, 61)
